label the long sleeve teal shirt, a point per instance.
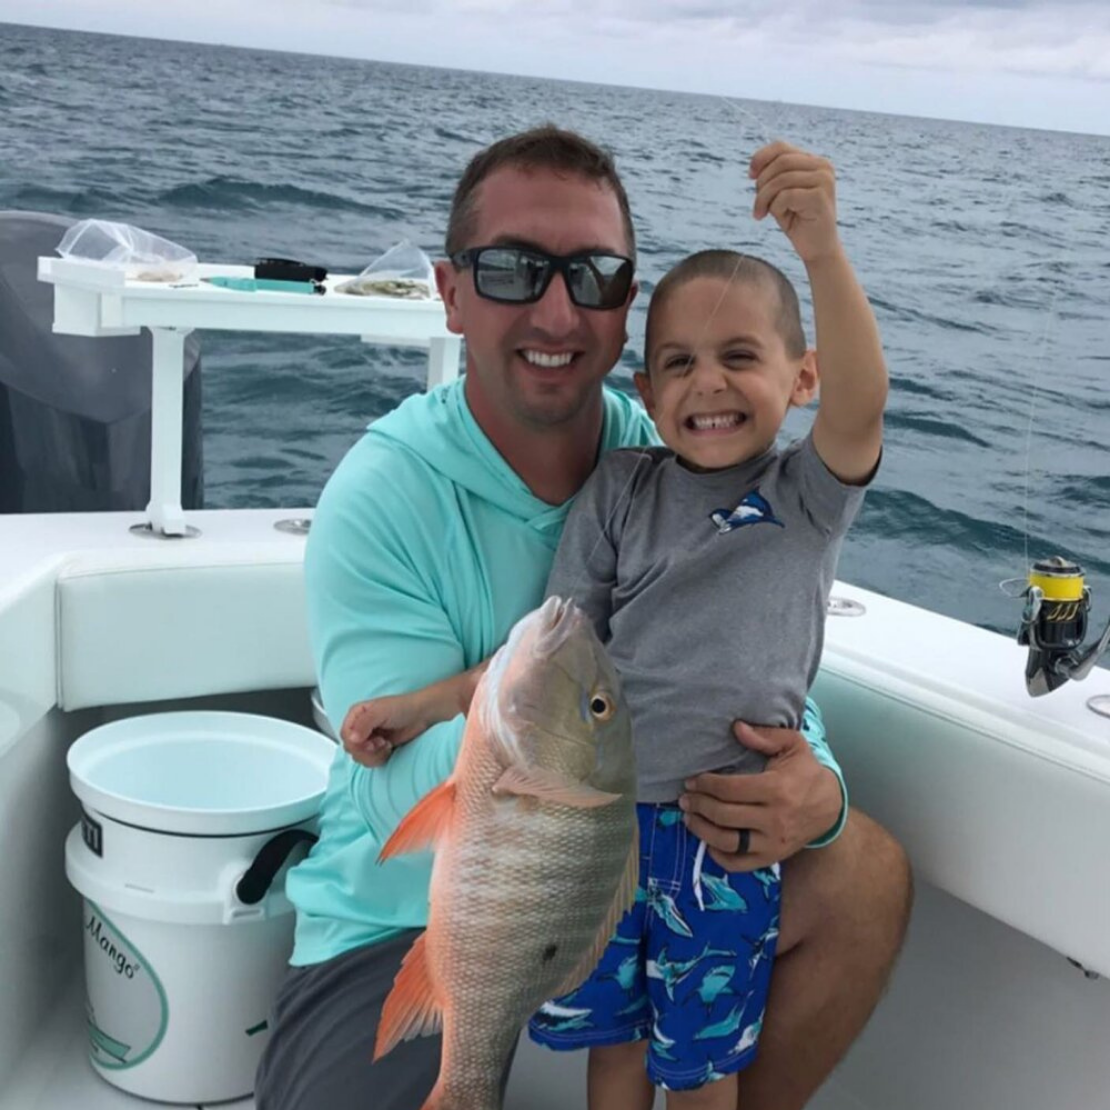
(425, 549)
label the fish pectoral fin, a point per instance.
(623, 900)
(423, 825)
(551, 788)
(412, 1008)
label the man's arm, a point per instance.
(813, 729)
(376, 628)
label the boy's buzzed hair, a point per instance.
(542, 148)
(743, 269)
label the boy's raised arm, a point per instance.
(799, 190)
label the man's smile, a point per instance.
(548, 359)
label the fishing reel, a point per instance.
(1054, 626)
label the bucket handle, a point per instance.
(256, 880)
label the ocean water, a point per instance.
(985, 251)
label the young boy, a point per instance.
(710, 558)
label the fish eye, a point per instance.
(602, 706)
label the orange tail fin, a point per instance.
(412, 1008)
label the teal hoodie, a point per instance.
(425, 549)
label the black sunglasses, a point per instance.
(521, 275)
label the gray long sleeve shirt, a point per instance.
(710, 591)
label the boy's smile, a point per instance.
(719, 378)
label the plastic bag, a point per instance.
(141, 254)
(403, 271)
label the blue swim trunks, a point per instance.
(689, 966)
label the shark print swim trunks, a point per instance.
(689, 966)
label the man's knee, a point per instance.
(862, 882)
(874, 863)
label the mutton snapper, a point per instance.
(536, 854)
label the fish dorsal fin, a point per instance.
(424, 824)
(412, 1009)
(549, 787)
(622, 902)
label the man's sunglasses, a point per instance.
(520, 275)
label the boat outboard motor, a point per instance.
(75, 412)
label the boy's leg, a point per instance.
(712, 1096)
(609, 1013)
(617, 1080)
(711, 941)
(844, 914)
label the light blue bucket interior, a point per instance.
(206, 775)
(201, 771)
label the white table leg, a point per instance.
(164, 511)
(443, 360)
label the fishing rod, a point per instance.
(1057, 608)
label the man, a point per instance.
(434, 535)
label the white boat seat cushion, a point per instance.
(185, 627)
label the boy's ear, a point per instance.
(643, 386)
(807, 381)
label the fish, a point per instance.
(722, 896)
(661, 1043)
(627, 973)
(750, 1036)
(672, 972)
(536, 854)
(753, 509)
(717, 981)
(666, 909)
(726, 1026)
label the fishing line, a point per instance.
(1049, 325)
(740, 256)
(1040, 349)
(1039, 352)
(1007, 585)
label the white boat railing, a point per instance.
(95, 301)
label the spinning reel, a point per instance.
(1054, 626)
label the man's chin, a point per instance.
(551, 406)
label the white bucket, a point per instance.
(188, 820)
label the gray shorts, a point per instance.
(323, 1027)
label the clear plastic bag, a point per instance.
(403, 271)
(141, 254)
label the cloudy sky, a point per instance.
(1036, 63)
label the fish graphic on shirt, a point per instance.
(753, 509)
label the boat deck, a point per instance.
(56, 1075)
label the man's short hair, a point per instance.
(543, 148)
(743, 269)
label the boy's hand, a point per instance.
(799, 190)
(372, 729)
